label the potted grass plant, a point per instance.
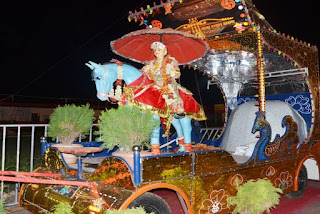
(124, 128)
(67, 123)
(254, 197)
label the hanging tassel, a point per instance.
(150, 10)
(135, 17)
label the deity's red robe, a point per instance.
(144, 94)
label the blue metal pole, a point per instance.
(136, 164)
(79, 174)
(44, 145)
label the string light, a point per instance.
(260, 63)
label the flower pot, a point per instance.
(68, 158)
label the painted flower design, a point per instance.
(98, 202)
(236, 180)
(300, 103)
(270, 171)
(284, 181)
(216, 203)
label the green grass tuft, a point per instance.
(255, 197)
(125, 127)
(69, 121)
(136, 210)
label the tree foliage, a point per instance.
(69, 121)
(125, 127)
(255, 197)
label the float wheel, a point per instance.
(302, 184)
(151, 203)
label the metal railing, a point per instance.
(31, 134)
(210, 133)
(14, 133)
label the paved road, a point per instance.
(18, 210)
(309, 203)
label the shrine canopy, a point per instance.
(203, 18)
(243, 46)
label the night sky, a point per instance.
(45, 44)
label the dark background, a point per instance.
(45, 44)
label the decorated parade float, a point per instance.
(270, 83)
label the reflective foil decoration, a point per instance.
(52, 160)
(231, 70)
(113, 171)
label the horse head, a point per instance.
(259, 122)
(104, 76)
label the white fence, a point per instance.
(13, 131)
(13, 135)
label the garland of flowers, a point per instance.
(117, 94)
(166, 78)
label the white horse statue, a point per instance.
(142, 93)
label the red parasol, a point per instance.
(184, 47)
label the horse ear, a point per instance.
(93, 65)
(90, 66)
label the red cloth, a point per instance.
(153, 97)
